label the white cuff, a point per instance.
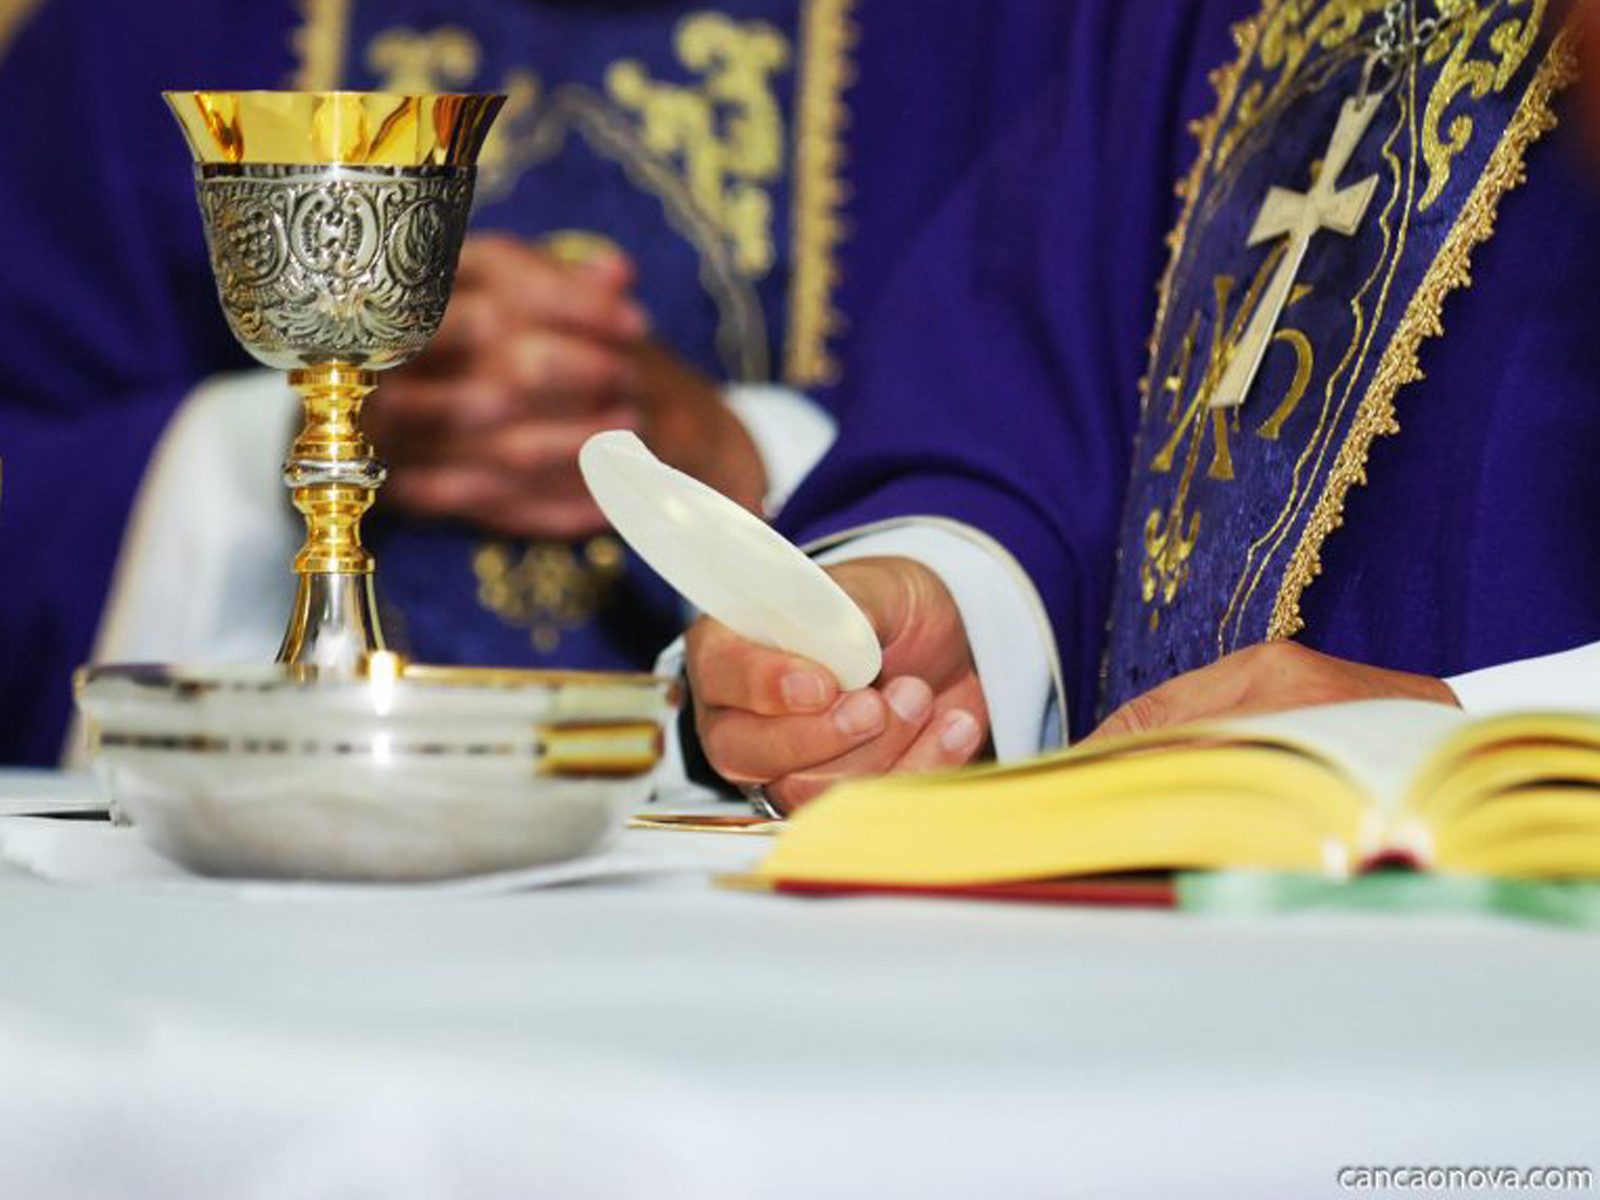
(1567, 680)
(791, 434)
(1012, 643)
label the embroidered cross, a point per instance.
(1300, 217)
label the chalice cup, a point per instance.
(334, 221)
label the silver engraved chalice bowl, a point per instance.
(334, 221)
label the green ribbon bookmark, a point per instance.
(1241, 893)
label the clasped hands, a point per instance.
(769, 718)
(535, 354)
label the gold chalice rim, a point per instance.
(334, 128)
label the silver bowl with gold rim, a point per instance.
(411, 773)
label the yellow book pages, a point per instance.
(1312, 790)
(1522, 744)
(1548, 832)
(1205, 805)
(1516, 795)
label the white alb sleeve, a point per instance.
(1569, 680)
(791, 433)
(202, 573)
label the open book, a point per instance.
(1334, 790)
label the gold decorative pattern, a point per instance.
(533, 128)
(408, 60)
(1512, 41)
(1423, 319)
(1341, 383)
(1170, 531)
(548, 588)
(741, 339)
(828, 36)
(1289, 35)
(726, 129)
(319, 45)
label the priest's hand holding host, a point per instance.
(769, 718)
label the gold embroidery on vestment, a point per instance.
(1224, 81)
(1511, 41)
(828, 35)
(549, 587)
(726, 130)
(319, 45)
(533, 129)
(1349, 369)
(1293, 39)
(442, 59)
(1170, 536)
(1290, 34)
(1451, 269)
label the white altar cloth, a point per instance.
(654, 1036)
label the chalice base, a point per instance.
(334, 625)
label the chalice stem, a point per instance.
(333, 477)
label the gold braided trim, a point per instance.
(319, 45)
(14, 16)
(1423, 319)
(828, 35)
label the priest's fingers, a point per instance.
(949, 740)
(485, 497)
(728, 671)
(862, 734)
(914, 615)
(953, 739)
(550, 371)
(941, 738)
(535, 287)
(528, 450)
(957, 730)
(1269, 677)
(1187, 697)
(520, 480)
(535, 375)
(473, 322)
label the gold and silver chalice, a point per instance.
(334, 221)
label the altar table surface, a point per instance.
(661, 1037)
